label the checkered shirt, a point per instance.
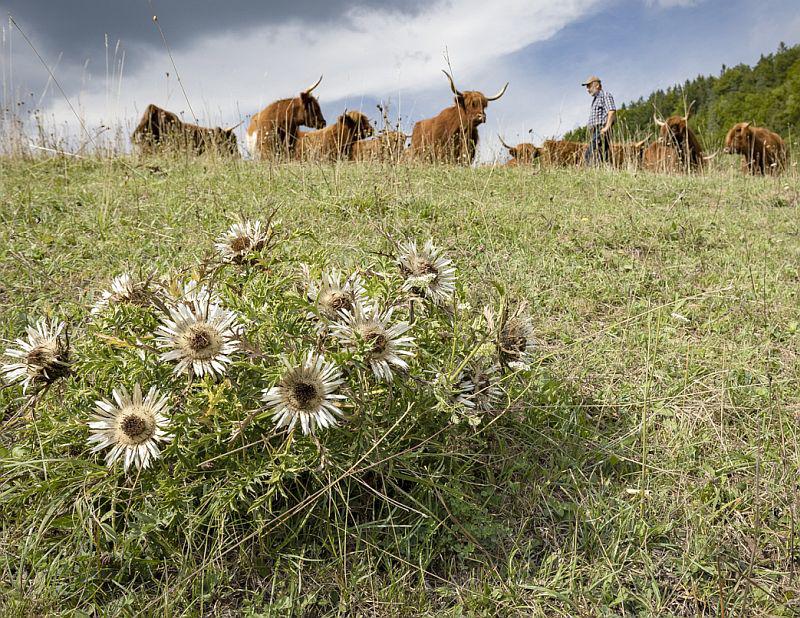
(602, 103)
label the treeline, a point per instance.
(767, 94)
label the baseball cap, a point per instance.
(593, 78)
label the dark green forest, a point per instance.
(767, 94)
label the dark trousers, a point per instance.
(598, 149)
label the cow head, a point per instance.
(524, 153)
(673, 130)
(360, 124)
(473, 103)
(738, 138)
(311, 114)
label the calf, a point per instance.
(764, 151)
(333, 142)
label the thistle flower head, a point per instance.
(241, 240)
(132, 426)
(201, 337)
(427, 272)
(333, 293)
(124, 289)
(41, 360)
(306, 392)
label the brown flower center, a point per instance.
(136, 427)
(199, 340)
(305, 395)
(40, 355)
(379, 342)
(341, 301)
(240, 244)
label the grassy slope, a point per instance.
(668, 306)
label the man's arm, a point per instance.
(609, 121)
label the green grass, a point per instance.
(656, 472)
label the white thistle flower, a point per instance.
(40, 360)
(240, 240)
(385, 344)
(514, 335)
(477, 387)
(306, 392)
(333, 293)
(200, 336)
(124, 289)
(427, 272)
(132, 426)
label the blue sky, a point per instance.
(235, 60)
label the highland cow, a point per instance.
(334, 142)
(387, 147)
(627, 154)
(273, 132)
(764, 151)
(160, 130)
(660, 158)
(563, 153)
(675, 133)
(452, 135)
(521, 154)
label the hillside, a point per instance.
(645, 464)
(767, 94)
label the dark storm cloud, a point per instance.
(76, 28)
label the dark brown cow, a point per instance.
(660, 158)
(452, 136)
(562, 153)
(764, 151)
(273, 131)
(387, 147)
(333, 142)
(627, 154)
(675, 132)
(162, 130)
(521, 154)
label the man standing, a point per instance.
(601, 119)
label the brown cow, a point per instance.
(334, 142)
(660, 158)
(388, 146)
(273, 131)
(764, 151)
(562, 153)
(521, 154)
(162, 130)
(675, 132)
(627, 154)
(452, 135)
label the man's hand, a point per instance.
(604, 130)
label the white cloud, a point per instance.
(378, 53)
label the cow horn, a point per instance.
(688, 111)
(709, 157)
(499, 94)
(502, 142)
(660, 123)
(308, 91)
(452, 84)
(235, 126)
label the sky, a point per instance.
(222, 62)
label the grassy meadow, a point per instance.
(653, 466)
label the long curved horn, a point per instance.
(308, 91)
(688, 111)
(709, 157)
(452, 84)
(502, 142)
(235, 126)
(660, 123)
(499, 94)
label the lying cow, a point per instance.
(627, 154)
(521, 154)
(764, 151)
(387, 147)
(660, 158)
(675, 132)
(273, 132)
(563, 153)
(334, 142)
(160, 130)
